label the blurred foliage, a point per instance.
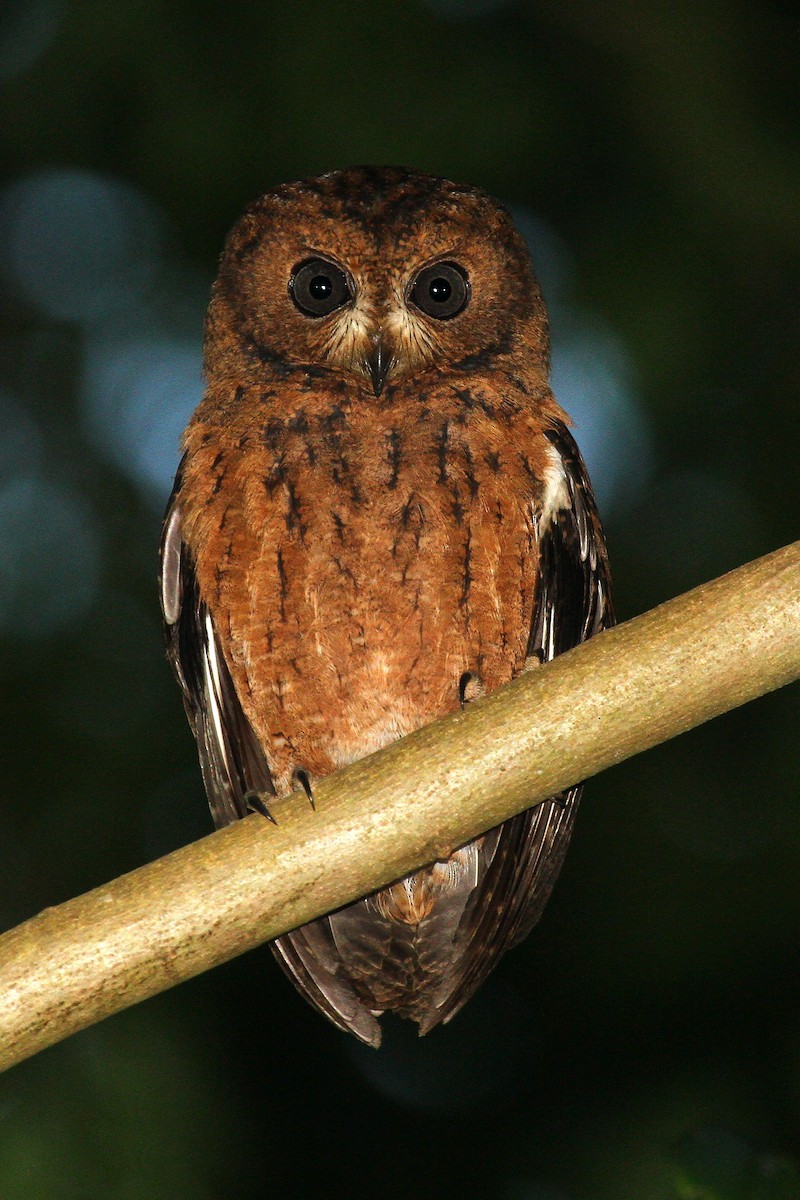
(646, 1040)
(715, 1165)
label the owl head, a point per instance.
(382, 273)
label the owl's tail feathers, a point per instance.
(522, 869)
(307, 957)
(404, 948)
(422, 947)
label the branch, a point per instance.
(628, 689)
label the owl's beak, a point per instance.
(379, 362)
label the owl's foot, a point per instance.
(256, 805)
(470, 687)
(304, 779)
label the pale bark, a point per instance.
(631, 688)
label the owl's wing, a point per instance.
(231, 759)
(572, 603)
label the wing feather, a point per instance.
(231, 759)
(573, 602)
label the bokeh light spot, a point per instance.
(78, 245)
(592, 375)
(138, 395)
(591, 381)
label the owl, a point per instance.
(379, 516)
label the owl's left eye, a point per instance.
(441, 290)
(318, 287)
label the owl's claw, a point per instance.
(304, 779)
(256, 805)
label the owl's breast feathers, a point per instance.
(358, 557)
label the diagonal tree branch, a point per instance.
(628, 689)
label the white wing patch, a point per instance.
(556, 489)
(171, 590)
(213, 685)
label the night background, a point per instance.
(645, 1041)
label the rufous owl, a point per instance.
(380, 514)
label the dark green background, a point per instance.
(645, 1042)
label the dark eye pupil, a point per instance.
(439, 290)
(320, 287)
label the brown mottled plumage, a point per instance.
(380, 513)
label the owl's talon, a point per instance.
(304, 779)
(256, 805)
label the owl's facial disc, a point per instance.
(382, 275)
(378, 331)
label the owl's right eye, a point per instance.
(318, 287)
